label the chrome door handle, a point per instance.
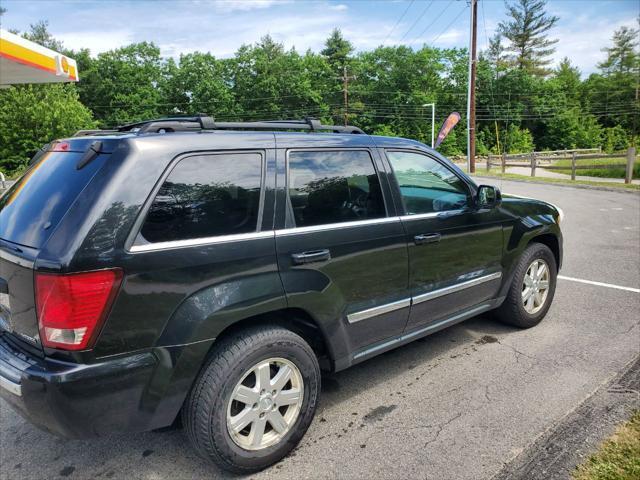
(311, 256)
(427, 238)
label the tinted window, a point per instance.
(207, 196)
(32, 208)
(426, 185)
(333, 187)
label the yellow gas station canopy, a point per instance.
(23, 61)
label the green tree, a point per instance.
(33, 115)
(572, 129)
(199, 84)
(125, 85)
(270, 82)
(622, 56)
(39, 33)
(615, 139)
(613, 93)
(496, 55)
(527, 32)
(517, 140)
(337, 50)
(337, 53)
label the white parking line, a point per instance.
(599, 284)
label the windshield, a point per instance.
(32, 208)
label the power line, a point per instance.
(449, 25)
(417, 20)
(435, 19)
(398, 22)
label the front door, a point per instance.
(455, 250)
(343, 257)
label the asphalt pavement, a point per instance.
(460, 404)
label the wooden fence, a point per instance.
(546, 160)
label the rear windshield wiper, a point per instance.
(92, 152)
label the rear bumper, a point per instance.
(79, 401)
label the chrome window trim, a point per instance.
(136, 231)
(380, 310)
(193, 242)
(367, 149)
(455, 288)
(335, 226)
(10, 386)
(423, 216)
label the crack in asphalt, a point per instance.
(441, 427)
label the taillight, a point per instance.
(72, 307)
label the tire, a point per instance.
(513, 310)
(209, 411)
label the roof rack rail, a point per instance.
(204, 122)
(86, 133)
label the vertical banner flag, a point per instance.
(447, 126)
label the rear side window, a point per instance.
(333, 186)
(32, 208)
(207, 196)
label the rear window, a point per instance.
(207, 196)
(32, 208)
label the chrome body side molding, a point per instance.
(456, 288)
(407, 337)
(390, 307)
(375, 311)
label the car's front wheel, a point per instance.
(533, 288)
(254, 399)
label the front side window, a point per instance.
(333, 187)
(207, 196)
(426, 185)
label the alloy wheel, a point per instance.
(265, 404)
(535, 286)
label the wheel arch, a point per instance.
(298, 321)
(186, 365)
(551, 241)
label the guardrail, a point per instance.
(545, 160)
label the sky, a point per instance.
(222, 26)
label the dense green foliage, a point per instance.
(31, 116)
(521, 105)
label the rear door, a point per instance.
(455, 250)
(342, 254)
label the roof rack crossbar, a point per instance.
(204, 122)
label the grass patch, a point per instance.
(618, 457)
(598, 172)
(559, 181)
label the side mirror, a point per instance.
(488, 196)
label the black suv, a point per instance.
(184, 269)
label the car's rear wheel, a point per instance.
(254, 399)
(533, 288)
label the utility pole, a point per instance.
(471, 100)
(345, 91)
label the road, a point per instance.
(459, 404)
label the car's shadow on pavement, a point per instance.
(29, 453)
